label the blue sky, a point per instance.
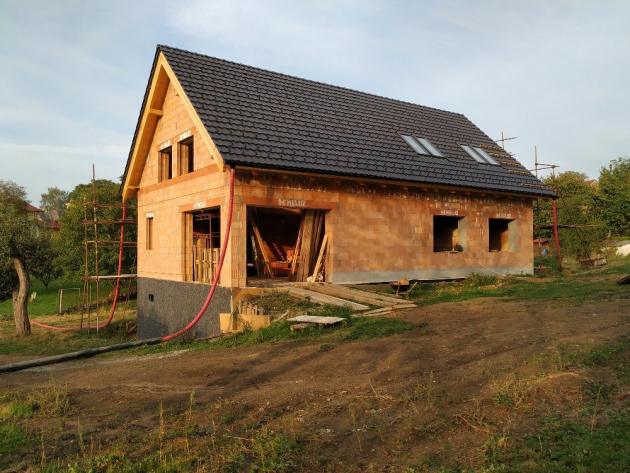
(555, 74)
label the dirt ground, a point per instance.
(378, 405)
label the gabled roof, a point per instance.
(264, 119)
(32, 208)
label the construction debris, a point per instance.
(302, 326)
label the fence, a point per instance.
(70, 298)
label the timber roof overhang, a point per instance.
(256, 118)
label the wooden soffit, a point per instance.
(163, 75)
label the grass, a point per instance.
(595, 438)
(569, 288)
(569, 447)
(351, 329)
(46, 301)
(44, 342)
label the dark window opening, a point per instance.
(186, 156)
(498, 231)
(165, 164)
(151, 298)
(206, 244)
(447, 234)
(149, 235)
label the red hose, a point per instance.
(220, 267)
(111, 314)
(555, 233)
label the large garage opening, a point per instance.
(206, 244)
(284, 243)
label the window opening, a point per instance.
(448, 233)
(149, 235)
(186, 157)
(498, 234)
(206, 244)
(165, 164)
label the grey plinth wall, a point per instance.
(165, 307)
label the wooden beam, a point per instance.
(153, 111)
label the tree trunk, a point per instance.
(20, 299)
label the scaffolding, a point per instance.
(92, 245)
(573, 226)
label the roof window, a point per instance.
(479, 155)
(422, 146)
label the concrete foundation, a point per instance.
(165, 307)
(367, 277)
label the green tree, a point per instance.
(577, 205)
(18, 239)
(46, 268)
(614, 196)
(70, 241)
(54, 199)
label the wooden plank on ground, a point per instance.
(361, 296)
(324, 298)
(374, 313)
(314, 319)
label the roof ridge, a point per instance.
(268, 71)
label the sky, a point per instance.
(553, 74)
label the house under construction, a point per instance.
(330, 184)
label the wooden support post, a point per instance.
(322, 252)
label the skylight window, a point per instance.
(428, 146)
(414, 144)
(471, 152)
(486, 156)
(422, 146)
(479, 155)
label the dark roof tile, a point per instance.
(272, 120)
